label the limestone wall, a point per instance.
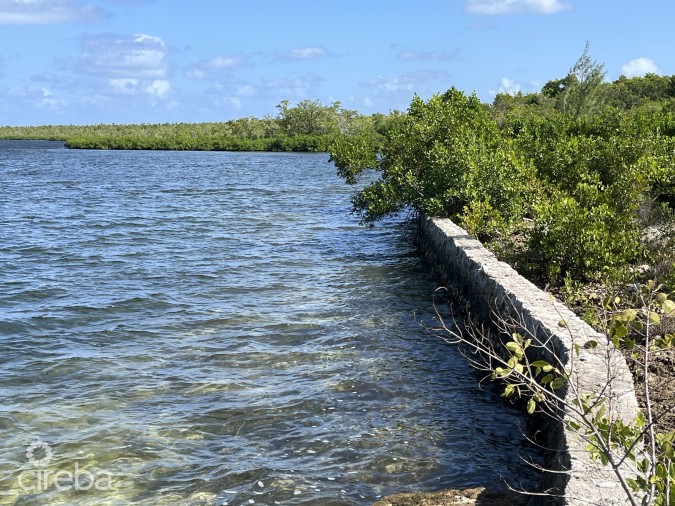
(464, 264)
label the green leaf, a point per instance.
(629, 315)
(557, 383)
(531, 406)
(590, 344)
(668, 307)
(620, 331)
(514, 347)
(540, 363)
(654, 318)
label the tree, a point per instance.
(556, 87)
(581, 94)
(309, 117)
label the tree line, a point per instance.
(307, 126)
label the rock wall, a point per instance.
(493, 287)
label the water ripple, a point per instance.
(212, 328)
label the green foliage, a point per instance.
(523, 379)
(581, 95)
(308, 126)
(609, 439)
(443, 155)
(628, 93)
(581, 184)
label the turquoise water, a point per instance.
(211, 328)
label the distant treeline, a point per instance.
(307, 126)
(313, 126)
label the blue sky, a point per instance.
(156, 61)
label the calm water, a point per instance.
(211, 328)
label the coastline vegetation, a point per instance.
(575, 183)
(307, 126)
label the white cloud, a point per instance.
(228, 102)
(302, 53)
(496, 7)
(46, 12)
(159, 88)
(640, 67)
(113, 56)
(509, 86)
(216, 65)
(298, 87)
(36, 97)
(117, 65)
(419, 81)
(427, 55)
(124, 86)
(232, 86)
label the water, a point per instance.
(211, 328)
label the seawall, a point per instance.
(492, 288)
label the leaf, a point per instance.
(540, 363)
(547, 379)
(514, 347)
(557, 383)
(588, 345)
(620, 331)
(531, 406)
(600, 412)
(562, 324)
(654, 318)
(629, 315)
(668, 307)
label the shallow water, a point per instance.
(211, 328)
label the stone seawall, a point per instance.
(491, 286)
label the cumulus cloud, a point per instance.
(496, 7)
(408, 83)
(427, 55)
(508, 86)
(232, 87)
(302, 53)
(297, 87)
(138, 56)
(46, 12)
(639, 67)
(38, 97)
(123, 64)
(216, 65)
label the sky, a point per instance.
(169, 61)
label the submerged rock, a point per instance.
(477, 496)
